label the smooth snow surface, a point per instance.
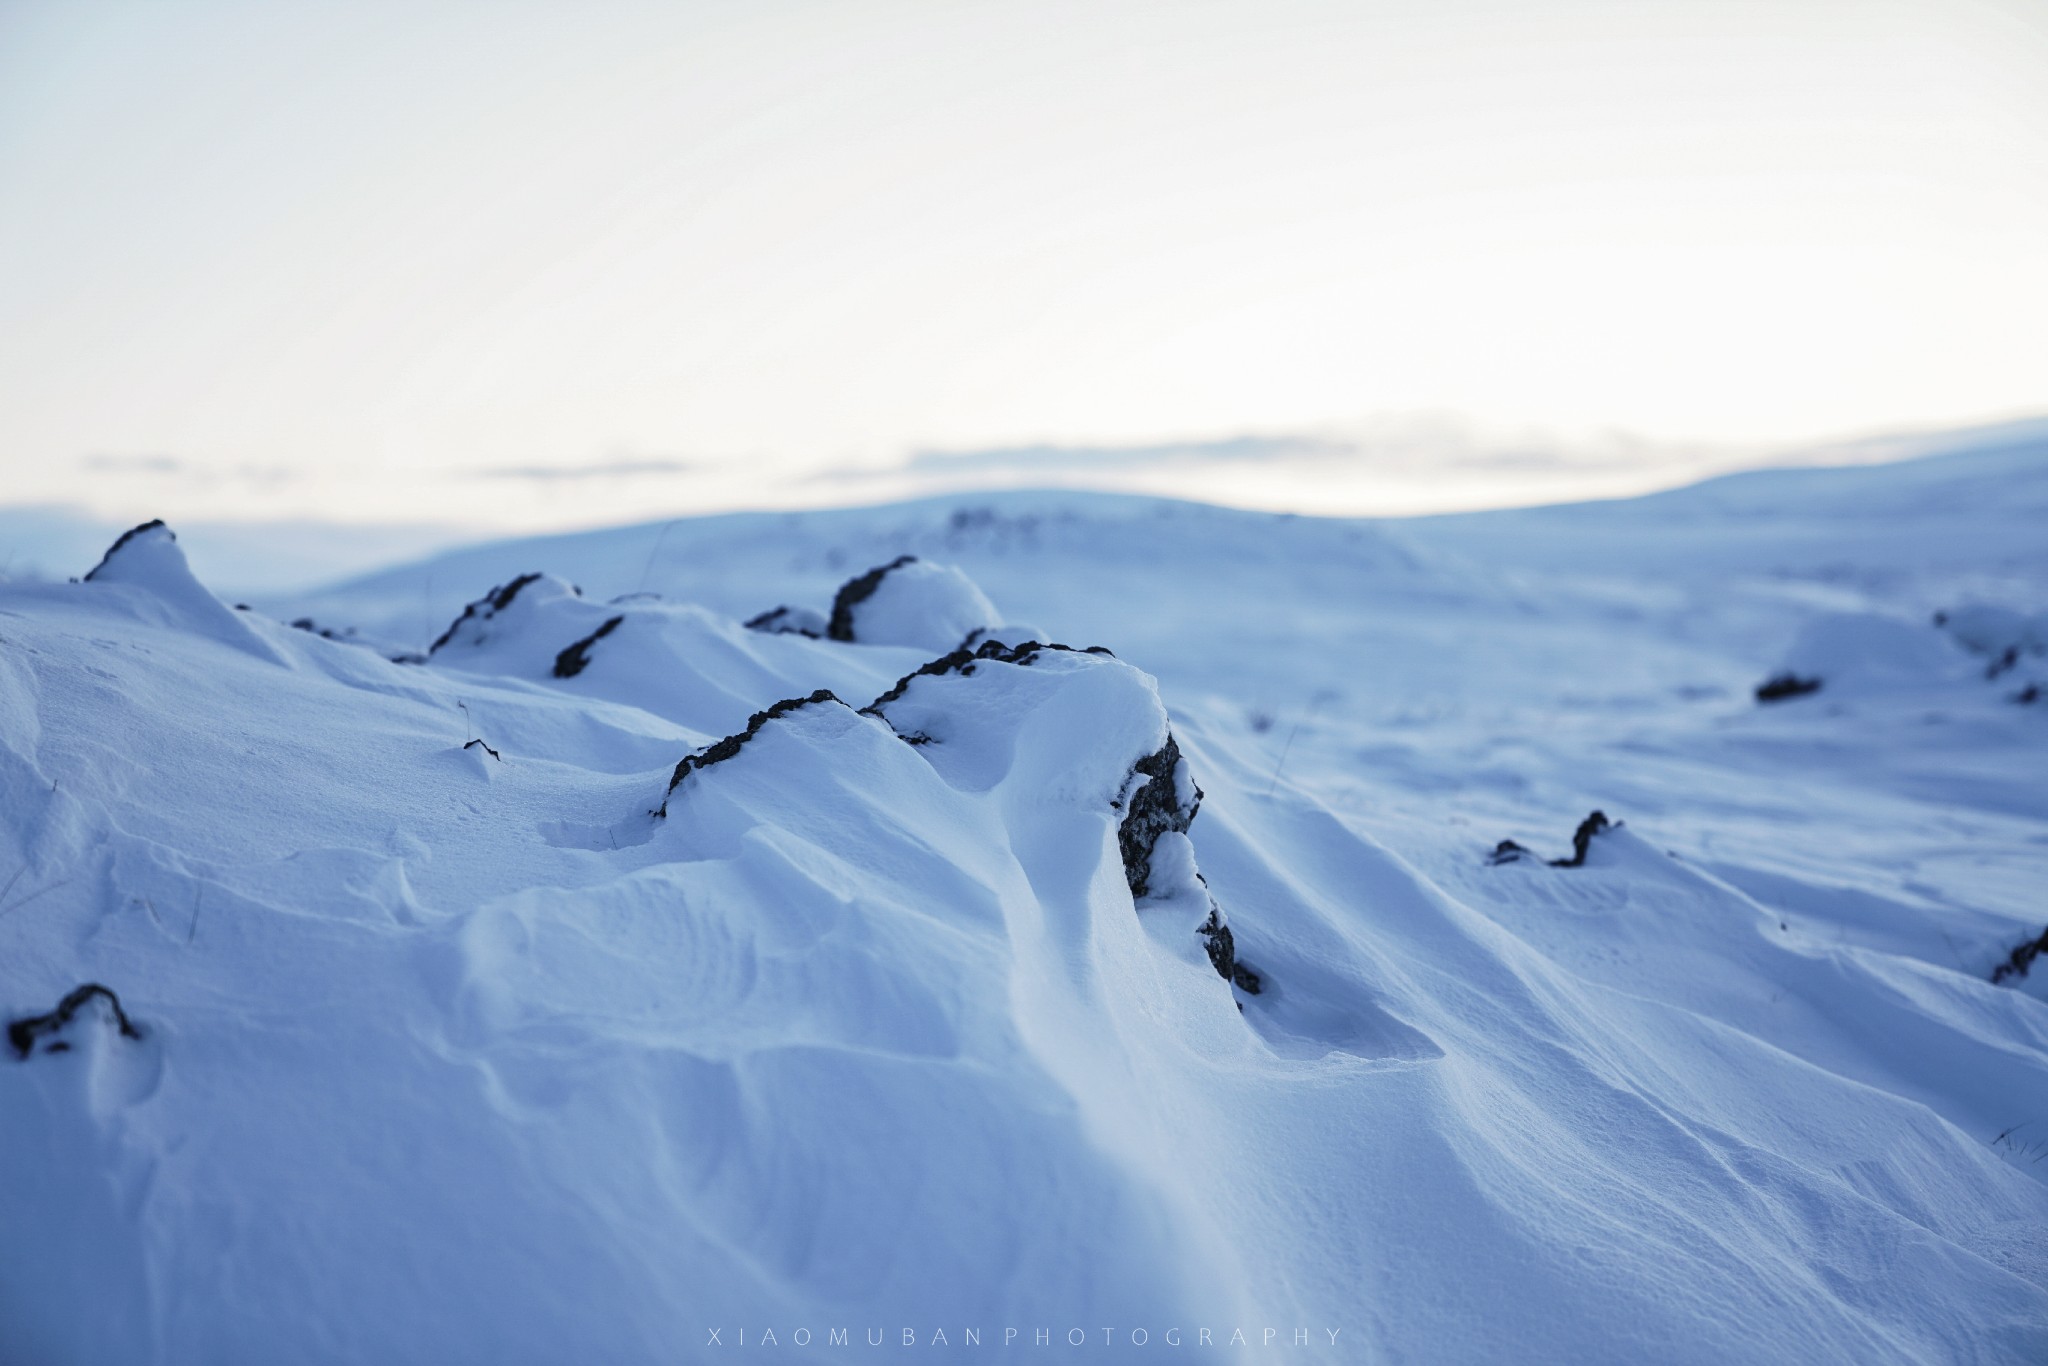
(452, 1049)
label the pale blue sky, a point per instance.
(568, 263)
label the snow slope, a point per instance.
(923, 1003)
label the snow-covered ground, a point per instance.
(1175, 1002)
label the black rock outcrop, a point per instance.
(962, 662)
(1150, 802)
(1222, 947)
(720, 751)
(1507, 851)
(484, 608)
(2021, 959)
(1582, 839)
(1151, 808)
(24, 1032)
(576, 658)
(856, 591)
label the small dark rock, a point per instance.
(2021, 959)
(324, 632)
(1780, 687)
(576, 658)
(790, 621)
(1222, 947)
(1507, 851)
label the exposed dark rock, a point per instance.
(24, 1032)
(962, 662)
(790, 621)
(1582, 840)
(576, 658)
(1222, 946)
(1151, 808)
(1507, 851)
(2010, 659)
(485, 607)
(1150, 802)
(1779, 687)
(478, 743)
(2021, 959)
(857, 590)
(2028, 695)
(720, 751)
(324, 632)
(125, 537)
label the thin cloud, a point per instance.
(1226, 450)
(133, 464)
(192, 473)
(610, 469)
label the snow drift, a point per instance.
(620, 978)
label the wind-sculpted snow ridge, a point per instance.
(912, 602)
(676, 660)
(1155, 795)
(2001, 633)
(857, 590)
(869, 1037)
(478, 613)
(152, 529)
(963, 661)
(148, 571)
(731, 745)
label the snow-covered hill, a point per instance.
(549, 967)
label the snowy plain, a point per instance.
(905, 1014)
